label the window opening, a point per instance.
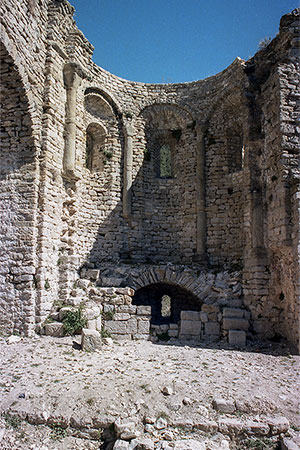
(165, 161)
(166, 306)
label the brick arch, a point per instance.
(20, 68)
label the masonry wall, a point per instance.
(22, 83)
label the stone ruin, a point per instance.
(167, 210)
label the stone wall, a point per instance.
(116, 172)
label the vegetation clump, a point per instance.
(74, 322)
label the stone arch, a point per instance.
(7, 46)
(186, 279)
(167, 116)
(105, 98)
(181, 299)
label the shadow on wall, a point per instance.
(17, 199)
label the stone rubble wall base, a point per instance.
(131, 429)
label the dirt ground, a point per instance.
(49, 377)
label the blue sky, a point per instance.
(170, 41)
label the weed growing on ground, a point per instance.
(12, 421)
(257, 444)
(58, 432)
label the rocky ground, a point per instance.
(163, 396)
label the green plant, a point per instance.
(109, 315)
(58, 432)
(162, 415)
(104, 333)
(257, 444)
(90, 401)
(12, 421)
(74, 322)
(147, 155)
(163, 336)
(108, 155)
(146, 388)
(47, 284)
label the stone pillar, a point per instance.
(200, 191)
(127, 178)
(73, 75)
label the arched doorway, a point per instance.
(167, 301)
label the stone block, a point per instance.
(115, 327)
(55, 329)
(290, 444)
(173, 326)
(92, 324)
(189, 444)
(189, 315)
(125, 291)
(143, 326)
(210, 308)
(90, 340)
(173, 333)
(108, 308)
(258, 428)
(90, 313)
(203, 317)
(212, 328)
(121, 445)
(188, 337)
(233, 313)
(141, 337)
(131, 326)
(130, 309)
(143, 310)
(121, 316)
(141, 444)
(230, 426)
(235, 324)
(222, 405)
(121, 337)
(237, 338)
(92, 274)
(278, 424)
(83, 284)
(190, 327)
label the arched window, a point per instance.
(95, 140)
(165, 161)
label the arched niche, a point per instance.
(164, 125)
(101, 104)
(167, 300)
(95, 156)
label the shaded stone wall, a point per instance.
(22, 84)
